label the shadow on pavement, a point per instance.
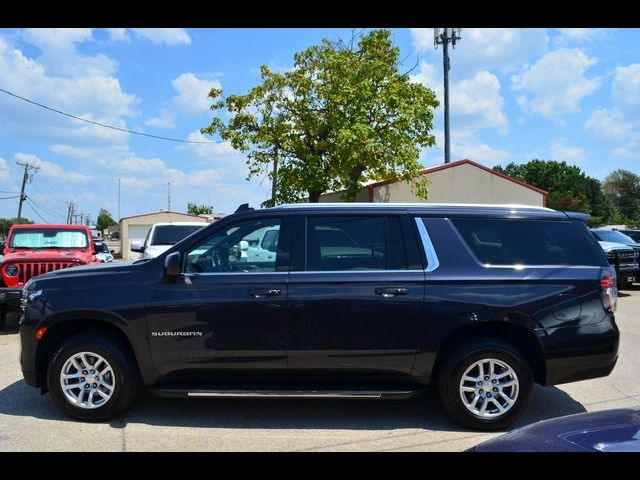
(423, 412)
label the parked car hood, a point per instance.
(606, 431)
(152, 251)
(607, 246)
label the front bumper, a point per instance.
(28, 351)
(581, 352)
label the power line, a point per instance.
(9, 198)
(28, 200)
(112, 127)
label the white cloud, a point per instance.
(211, 151)
(53, 170)
(626, 88)
(609, 125)
(192, 99)
(193, 93)
(464, 144)
(59, 55)
(4, 170)
(562, 152)
(581, 35)
(469, 145)
(164, 36)
(487, 48)
(630, 150)
(118, 34)
(166, 119)
(94, 95)
(556, 83)
(476, 102)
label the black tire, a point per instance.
(126, 383)
(456, 364)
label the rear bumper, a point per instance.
(581, 352)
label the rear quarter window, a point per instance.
(529, 242)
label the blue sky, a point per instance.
(516, 94)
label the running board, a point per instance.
(325, 394)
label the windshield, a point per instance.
(47, 238)
(613, 236)
(172, 234)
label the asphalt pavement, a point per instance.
(31, 422)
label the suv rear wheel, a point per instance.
(485, 385)
(91, 377)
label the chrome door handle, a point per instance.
(389, 292)
(263, 293)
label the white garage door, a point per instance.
(137, 232)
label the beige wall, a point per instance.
(462, 184)
(148, 221)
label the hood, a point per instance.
(152, 251)
(608, 246)
(47, 254)
(604, 431)
(89, 268)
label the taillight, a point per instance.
(609, 289)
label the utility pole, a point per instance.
(119, 199)
(25, 178)
(448, 35)
(168, 196)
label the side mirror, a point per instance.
(173, 264)
(244, 245)
(112, 251)
(136, 246)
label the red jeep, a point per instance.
(34, 249)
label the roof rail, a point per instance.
(244, 207)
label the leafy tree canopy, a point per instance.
(104, 220)
(568, 186)
(194, 209)
(622, 189)
(343, 115)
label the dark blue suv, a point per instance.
(368, 301)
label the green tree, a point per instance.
(194, 209)
(343, 115)
(104, 220)
(5, 224)
(568, 186)
(622, 189)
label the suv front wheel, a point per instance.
(92, 377)
(485, 385)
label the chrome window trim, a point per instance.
(432, 257)
(196, 274)
(303, 272)
(377, 271)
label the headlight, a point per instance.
(11, 270)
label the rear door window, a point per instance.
(528, 242)
(354, 243)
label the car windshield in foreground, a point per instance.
(613, 236)
(49, 239)
(172, 234)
